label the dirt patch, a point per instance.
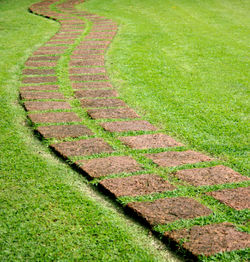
(38, 71)
(112, 113)
(82, 147)
(64, 131)
(39, 79)
(124, 126)
(238, 198)
(41, 95)
(40, 64)
(102, 103)
(39, 88)
(149, 141)
(211, 239)
(88, 77)
(54, 117)
(96, 93)
(163, 211)
(91, 85)
(109, 165)
(210, 176)
(136, 185)
(87, 70)
(171, 159)
(49, 105)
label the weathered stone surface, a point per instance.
(39, 88)
(82, 147)
(49, 52)
(91, 85)
(48, 105)
(54, 117)
(210, 176)
(136, 185)
(38, 71)
(102, 103)
(88, 57)
(89, 51)
(163, 211)
(112, 113)
(88, 77)
(40, 64)
(124, 126)
(41, 95)
(39, 79)
(87, 63)
(43, 58)
(149, 141)
(96, 93)
(238, 198)
(87, 70)
(99, 167)
(211, 239)
(64, 131)
(171, 159)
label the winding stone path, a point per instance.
(92, 88)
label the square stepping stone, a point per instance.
(211, 239)
(40, 64)
(125, 126)
(91, 85)
(82, 147)
(136, 185)
(96, 93)
(54, 117)
(39, 79)
(171, 159)
(102, 103)
(39, 88)
(87, 70)
(238, 198)
(38, 71)
(48, 105)
(149, 141)
(112, 113)
(64, 131)
(43, 58)
(88, 77)
(210, 176)
(41, 95)
(99, 167)
(167, 210)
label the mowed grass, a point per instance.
(47, 211)
(184, 66)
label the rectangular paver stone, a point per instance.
(96, 93)
(88, 77)
(39, 79)
(39, 88)
(48, 105)
(102, 103)
(91, 85)
(38, 71)
(41, 95)
(87, 70)
(54, 117)
(112, 113)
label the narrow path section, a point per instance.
(123, 176)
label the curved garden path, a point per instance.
(87, 124)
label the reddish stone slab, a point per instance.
(39, 88)
(125, 126)
(54, 117)
(87, 63)
(89, 51)
(70, 37)
(167, 210)
(96, 42)
(40, 64)
(39, 79)
(210, 176)
(238, 198)
(59, 42)
(88, 77)
(64, 131)
(68, 33)
(170, 159)
(38, 71)
(112, 113)
(49, 52)
(99, 167)
(87, 70)
(149, 141)
(211, 239)
(48, 105)
(83, 147)
(95, 36)
(88, 57)
(102, 103)
(57, 47)
(89, 46)
(43, 58)
(136, 185)
(41, 95)
(96, 93)
(91, 85)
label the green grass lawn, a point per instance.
(184, 65)
(47, 211)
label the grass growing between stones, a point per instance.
(47, 211)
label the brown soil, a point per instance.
(96, 93)
(49, 105)
(102, 103)
(238, 198)
(38, 71)
(82, 147)
(210, 176)
(124, 126)
(211, 239)
(39, 88)
(54, 117)
(64, 131)
(112, 113)
(136, 185)
(149, 141)
(88, 77)
(39, 79)
(171, 159)
(41, 95)
(163, 211)
(109, 165)
(87, 70)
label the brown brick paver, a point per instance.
(39, 79)
(54, 117)
(96, 93)
(41, 95)
(102, 103)
(48, 105)
(39, 88)
(112, 113)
